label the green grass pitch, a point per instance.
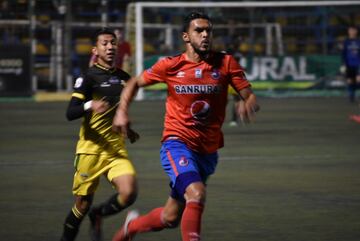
(294, 175)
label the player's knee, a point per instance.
(196, 192)
(83, 203)
(128, 197)
(127, 189)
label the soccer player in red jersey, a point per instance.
(197, 82)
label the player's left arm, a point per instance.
(248, 105)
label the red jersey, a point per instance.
(197, 97)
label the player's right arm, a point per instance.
(78, 107)
(155, 74)
(121, 121)
(75, 109)
(81, 101)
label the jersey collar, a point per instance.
(111, 70)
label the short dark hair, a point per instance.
(352, 26)
(190, 17)
(101, 32)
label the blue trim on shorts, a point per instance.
(182, 182)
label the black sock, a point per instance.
(110, 207)
(71, 225)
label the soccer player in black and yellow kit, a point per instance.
(100, 150)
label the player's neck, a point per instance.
(195, 57)
(105, 64)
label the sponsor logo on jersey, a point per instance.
(105, 84)
(215, 74)
(197, 89)
(114, 80)
(180, 74)
(78, 82)
(183, 161)
(198, 73)
(200, 109)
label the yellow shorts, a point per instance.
(90, 167)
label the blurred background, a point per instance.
(285, 46)
(291, 176)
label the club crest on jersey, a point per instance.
(200, 109)
(198, 73)
(78, 82)
(183, 161)
(180, 74)
(215, 74)
(149, 70)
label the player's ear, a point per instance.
(185, 37)
(94, 51)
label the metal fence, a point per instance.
(58, 33)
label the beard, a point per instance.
(201, 51)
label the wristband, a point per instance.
(87, 105)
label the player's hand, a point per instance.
(248, 108)
(99, 106)
(121, 124)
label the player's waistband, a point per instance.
(172, 138)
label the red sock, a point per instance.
(191, 221)
(146, 223)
